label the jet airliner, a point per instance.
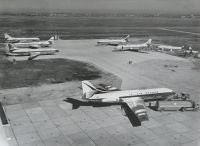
(32, 53)
(10, 39)
(133, 47)
(131, 101)
(35, 45)
(113, 42)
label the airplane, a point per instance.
(32, 53)
(133, 47)
(169, 48)
(131, 101)
(113, 42)
(10, 39)
(34, 45)
(184, 49)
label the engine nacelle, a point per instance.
(138, 107)
(141, 112)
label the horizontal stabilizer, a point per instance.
(75, 103)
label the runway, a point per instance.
(50, 121)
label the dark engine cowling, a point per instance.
(138, 107)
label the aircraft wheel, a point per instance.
(183, 109)
(161, 110)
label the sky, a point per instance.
(135, 5)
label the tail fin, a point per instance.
(6, 36)
(51, 40)
(190, 48)
(10, 47)
(88, 89)
(148, 42)
(126, 38)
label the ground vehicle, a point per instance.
(176, 105)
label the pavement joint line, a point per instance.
(11, 127)
(83, 131)
(34, 125)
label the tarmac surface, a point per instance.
(50, 121)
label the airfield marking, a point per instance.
(180, 31)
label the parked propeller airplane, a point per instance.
(113, 42)
(34, 45)
(185, 49)
(133, 47)
(9, 39)
(131, 101)
(169, 48)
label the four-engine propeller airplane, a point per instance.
(131, 101)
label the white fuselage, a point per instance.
(27, 51)
(111, 42)
(30, 44)
(131, 47)
(169, 48)
(144, 93)
(22, 39)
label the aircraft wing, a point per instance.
(131, 115)
(33, 55)
(135, 110)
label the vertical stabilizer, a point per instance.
(126, 38)
(88, 89)
(148, 42)
(6, 36)
(51, 40)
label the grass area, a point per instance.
(73, 27)
(46, 71)
(93, 27)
